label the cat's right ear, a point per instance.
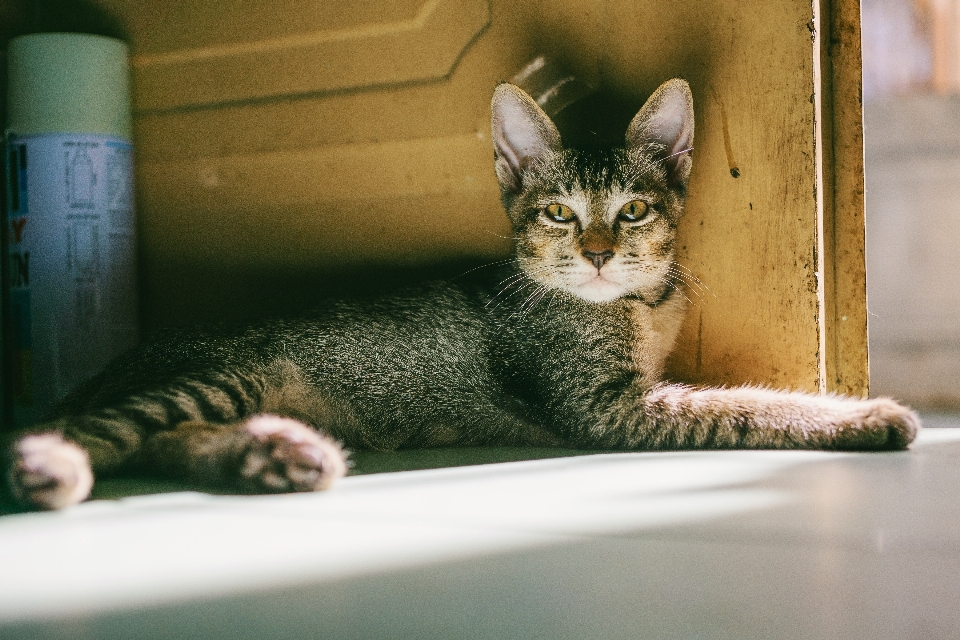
(522, 135)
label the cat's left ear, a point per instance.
(522, 135)
(666, 120)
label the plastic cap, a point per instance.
(68, 83)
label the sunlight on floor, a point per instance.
(150, 549)
(832, 511)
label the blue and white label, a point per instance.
(71, 263)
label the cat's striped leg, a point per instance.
(51, 468)
(680, 417)
(261, 454)
(52, 465)
(206, 429)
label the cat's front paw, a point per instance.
(48, 472)
(881, 425)
(283, 455)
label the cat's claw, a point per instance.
(286, 455)
(49, 472)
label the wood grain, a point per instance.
(845, 317)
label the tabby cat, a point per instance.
(565, 347)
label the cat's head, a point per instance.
(598, 225)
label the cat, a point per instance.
(565, 346)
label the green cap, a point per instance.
(68, 83)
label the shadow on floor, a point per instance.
(363, 463)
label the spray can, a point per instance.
(70, 255)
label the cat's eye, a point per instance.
(559, 213)
(634, 211)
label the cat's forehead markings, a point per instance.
(605, 203)
(615, 200)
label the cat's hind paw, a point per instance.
(283, 455)
(48, 472)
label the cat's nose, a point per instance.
(598, 258)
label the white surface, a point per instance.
(688, 545)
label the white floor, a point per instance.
(733, 545)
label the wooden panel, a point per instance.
(370, 202)
(402, 174)
(234, 51)
(845, 293)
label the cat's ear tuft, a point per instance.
(666, 120)
(522, 134)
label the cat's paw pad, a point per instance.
(48, 472)
(286, 455)
(883, 425)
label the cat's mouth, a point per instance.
(599, 288)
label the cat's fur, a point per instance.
(565, 347)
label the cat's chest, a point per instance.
(653, 332)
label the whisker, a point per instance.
(517, 277)
(553, 298)
(483, 266)
(532, 300)
(695, 287)
(523, 286)
(678, 271)
(500, 293)
(522, 272)
(535, 302)
(680, 291)
(528, 303)
(500, 236)
(684, 268)
(677, 280)
(689, 274)
(676, 277)
(673, 283)
(521, 279)
(664, 159)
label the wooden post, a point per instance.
(844, 321)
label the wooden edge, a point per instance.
(844, 361)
